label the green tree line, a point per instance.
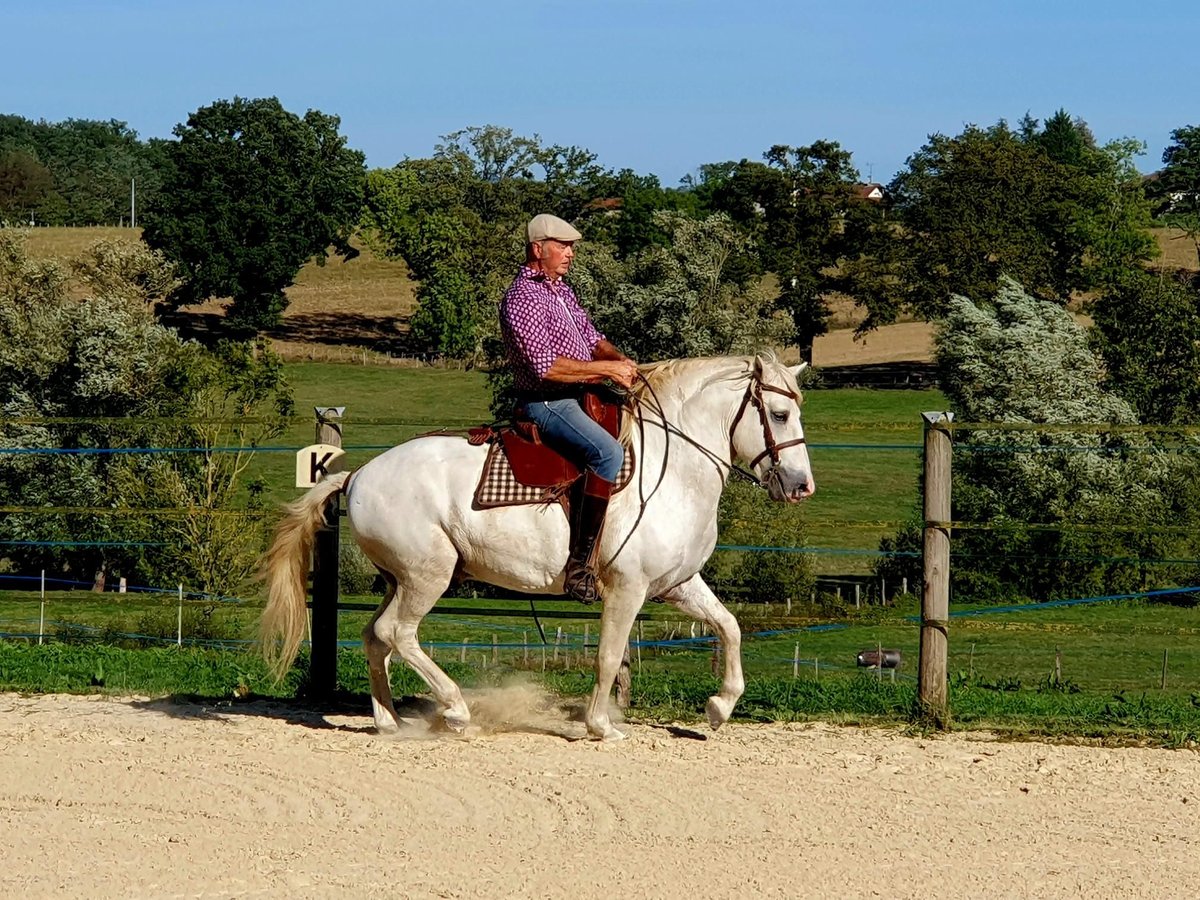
(246, 192)
(76, 172)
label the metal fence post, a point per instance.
(325, 588)
(932, 686)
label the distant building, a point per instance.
(872, 192)
(608, 205)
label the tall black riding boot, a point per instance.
(586, 523)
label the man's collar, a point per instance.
(537, 275)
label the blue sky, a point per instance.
(659, 87)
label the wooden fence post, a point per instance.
(42, 614)
(932, 689)
(325, 588)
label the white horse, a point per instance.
(411, 512)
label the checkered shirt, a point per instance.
(542, 320)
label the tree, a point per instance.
(99, 375)
(810, 227)
(90, 165)
(453, 310)
(625, 213)
(253, 192)
(1180, 182)
(418, 211)
(678, 300)
(457, 220)
(1148, 333)
(1113, 217)
(1021, 360)
(24, 184)
(1046, 207)
(572, 179)
(806, 231)
(1064, 139)
(977, 206)
(216, 536)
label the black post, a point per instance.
(325, 588)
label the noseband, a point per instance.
(753, 396)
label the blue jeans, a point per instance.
(571, 431)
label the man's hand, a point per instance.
(622, 371)
(570, 371)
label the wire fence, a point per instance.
(1104, 641)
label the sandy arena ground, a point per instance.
(104, 797)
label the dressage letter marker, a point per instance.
(315, 462)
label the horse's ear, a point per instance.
(796, 370)
(757, 368)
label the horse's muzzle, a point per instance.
(789, 489)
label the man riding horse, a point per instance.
(555, 351)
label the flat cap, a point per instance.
(546, 226)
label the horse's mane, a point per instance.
(683, 377)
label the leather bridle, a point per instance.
(753, 396)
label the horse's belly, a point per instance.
(417, 499)
(521, 548)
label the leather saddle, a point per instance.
(535, 463)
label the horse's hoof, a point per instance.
(609, 735)
(718, 712)
(456, 724)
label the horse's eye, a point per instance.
(779, 417)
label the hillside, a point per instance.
(357, 311)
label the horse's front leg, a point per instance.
(616, 621)
(696, 599)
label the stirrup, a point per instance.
(580, 583)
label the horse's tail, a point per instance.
(285, 569)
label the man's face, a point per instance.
(555, 257)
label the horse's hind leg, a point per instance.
(696, 599)
(394, 628)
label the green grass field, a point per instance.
(1109, 682)
(1099, 649)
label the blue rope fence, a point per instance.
(697, 643)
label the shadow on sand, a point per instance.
(493, 712)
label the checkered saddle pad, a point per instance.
(499, 487)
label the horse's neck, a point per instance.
(695, 440)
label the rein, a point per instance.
(752, 397)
